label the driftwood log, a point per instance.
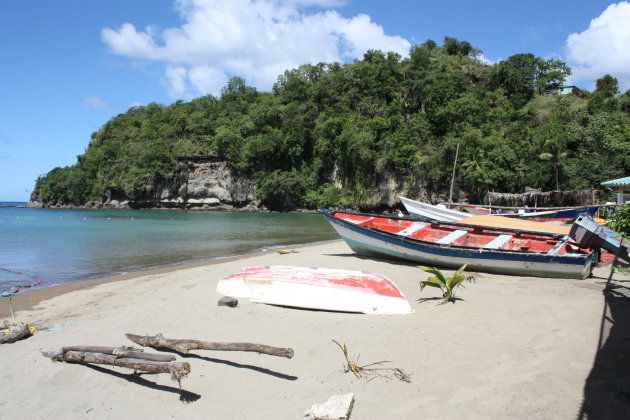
(184, 346)
(14, 332)
(121, 356)
(122, 352)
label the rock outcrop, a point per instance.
(200, 182)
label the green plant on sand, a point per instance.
(448, 285)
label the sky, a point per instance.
(69, 66)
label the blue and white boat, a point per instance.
(493, 250)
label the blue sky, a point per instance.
(68, 66)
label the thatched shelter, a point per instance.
(535, 198)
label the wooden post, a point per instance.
(450, 194)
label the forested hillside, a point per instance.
(330, 134)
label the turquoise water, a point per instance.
(61, 246)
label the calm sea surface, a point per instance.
(61, 246)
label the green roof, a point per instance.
(620, 181)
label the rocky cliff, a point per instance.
(200, 182)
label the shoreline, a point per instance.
(195, 208)
(27, 299)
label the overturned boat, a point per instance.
(446, 244)
(317, 288)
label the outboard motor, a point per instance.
(588, 234)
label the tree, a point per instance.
(453, 46)
(555, 154)
(517, 76)
(604, 98)
(607, 86)
(550, 75)
(281, 191)
(418, 75)
(624, 101)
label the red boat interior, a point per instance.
(474, 237)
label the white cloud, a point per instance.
(253, 39)
(176, 81)
(603, 48)
(485, 60)
(206, 79)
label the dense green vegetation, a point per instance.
(619, 221)
(327, 134)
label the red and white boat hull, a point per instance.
(317, 288)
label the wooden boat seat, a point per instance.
(557, 247)
(411, 229)
(452, 237)
(498, 242)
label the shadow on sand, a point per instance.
(607, 389)
(230, 363)
(241, 366)
(184, 396)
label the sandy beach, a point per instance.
(512, 348)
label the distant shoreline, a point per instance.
(14, 204)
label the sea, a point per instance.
(58, 246)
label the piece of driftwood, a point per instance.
(184, 346)
(286, 251)
(13, 332)
(178, 370)
(123, 351)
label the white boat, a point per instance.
(317, 288)
(426, 211)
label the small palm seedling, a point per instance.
(448, 285)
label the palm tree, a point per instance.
(555, 154)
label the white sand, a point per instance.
(513, 348)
